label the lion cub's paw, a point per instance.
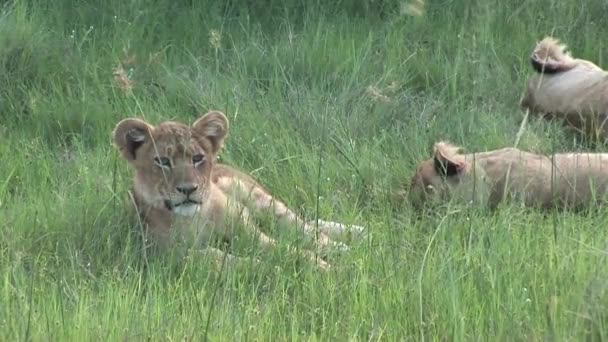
(323, 265)
(341, 231)
(340, 246)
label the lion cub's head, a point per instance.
(172, 162)
(448, 174)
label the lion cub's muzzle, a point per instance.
(186, 195)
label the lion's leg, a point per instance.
(258, 200)
(324, 231)
(269, 243)
(265, 202)
(261, 201)
(337, 230)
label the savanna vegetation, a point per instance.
(331, 105)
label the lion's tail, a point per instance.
(550, 57)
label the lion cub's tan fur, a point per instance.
(570, 180)
(180, 191)
(573, 90)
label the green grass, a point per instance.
(293, 79)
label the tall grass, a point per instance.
(332, 102)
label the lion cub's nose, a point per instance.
(187, 189)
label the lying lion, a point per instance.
(181, 192)
(567, 180)
(574, 90)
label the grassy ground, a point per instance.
(330, 104)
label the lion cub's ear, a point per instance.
(129, 135)
(447, 160)
(213, 126)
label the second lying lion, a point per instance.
(567, 180)
(566, 88)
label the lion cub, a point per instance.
(180, 191)
(567, 180)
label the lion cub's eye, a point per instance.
(197, 159)
(162, 161)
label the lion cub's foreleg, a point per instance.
(324, 231)
(259, 200)
(269, 242)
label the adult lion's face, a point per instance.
(172, 161)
